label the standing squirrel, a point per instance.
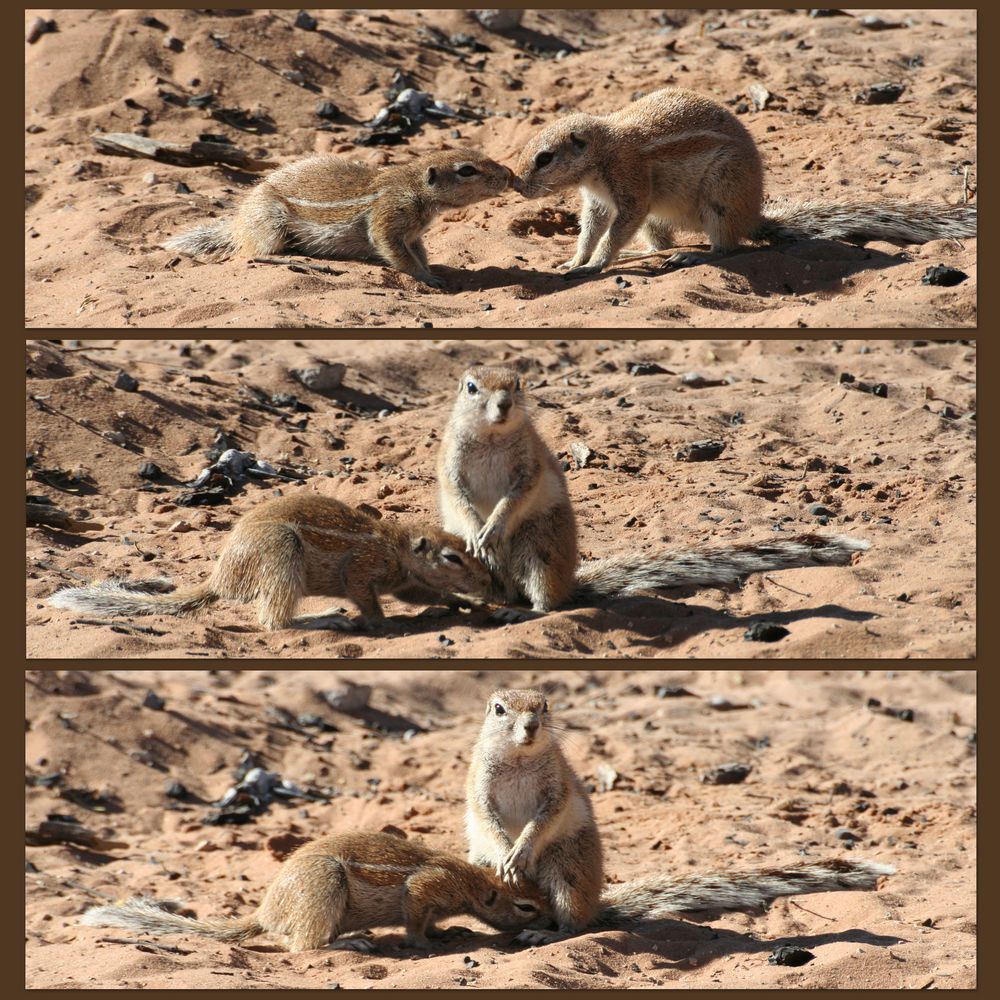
(305, 545)
(528, 814)
(327, 207)
(346, 883)
(675, 158)
(504, 492)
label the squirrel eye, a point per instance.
(466, 171)
(453, 557)
(526, 907)
(472, 387)
(517, 385)
(499, 709)
(545, 707)
(544, 159)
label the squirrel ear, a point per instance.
(432, 175)
(577, 141)
(420, 544)
(491, 898)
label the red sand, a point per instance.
(93, 222)
(909, 798)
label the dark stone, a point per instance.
(125, 382)
(786, 954)
(727, 774)
(939, 274)
(765, 632)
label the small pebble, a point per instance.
(765, 632)
(787, 955)
(306, 21)
(939, 274)
(126, 382)
(727, 774)
(153, 701)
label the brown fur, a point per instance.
(528, 814)
(292, 547)
(351, 882)
(344, 209)
(502, 490)
(677, 159)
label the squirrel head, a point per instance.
(492, 398)
(438, 560)
(460, 177)
(512, 908)
(559, 156)
(521, 717)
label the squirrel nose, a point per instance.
(531, 725)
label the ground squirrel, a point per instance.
(675, 158)
(352, 882)
(504, 492)
(528, 814)
(292, 547)
(328, 207)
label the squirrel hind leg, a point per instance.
(264, 562)
(307, 902)
(543, 559)
(260, 227)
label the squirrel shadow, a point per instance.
(805, 267)
(664, 623)
(678, 941)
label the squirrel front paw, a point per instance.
(516, 863)
(489, 534)
(583, 271)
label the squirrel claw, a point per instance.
(584, 271)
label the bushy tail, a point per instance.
(122, 597)
(909, 222)
(619, 576)
(213, 242)
(152, 917)
(659, 896)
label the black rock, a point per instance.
(175, 790)
(153, 701)
(727, 774)
(818, 510)
(829, 12)
(765, 632)
(306, 21)
(125, 382)
(646, 368)
(700, 451)
(880, 93)
(786, 954)
(150, 470)
(211, 497)
(152, 22)
(327, 109)
(182, 188)
(939, 274)
(674, 691)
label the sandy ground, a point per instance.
(787, 422)
(93, 222)
(821, 762)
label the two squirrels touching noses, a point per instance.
(673, 159)
(535, 865)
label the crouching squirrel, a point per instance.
(296, 546)
(328, 207)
